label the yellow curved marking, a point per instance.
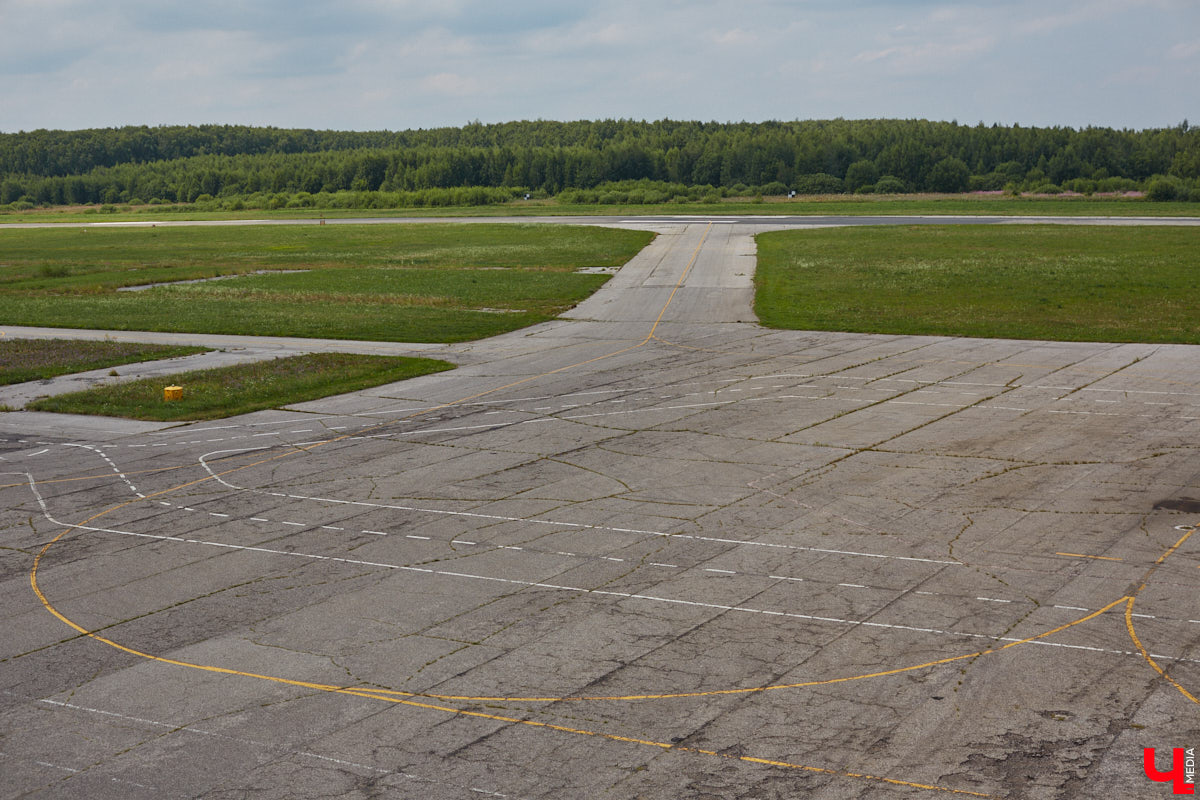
(758, 689)
(390, 694)
(684, 749)
(401, 700)
(1146, 655)
(1129, 617)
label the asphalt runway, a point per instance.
(650, 550)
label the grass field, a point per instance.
(1012, 282)
(418, 283)
(852, 205)
(36, 359)
(241, 389)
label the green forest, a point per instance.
(608, 161)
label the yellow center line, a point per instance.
(1097, 558)
(409, 699)
(400, 699)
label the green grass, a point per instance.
(1066, 283)
(228, 391)
(419, 283)
(852, 205)
(37, 359)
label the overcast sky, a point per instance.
(397, 64)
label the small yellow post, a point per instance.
(173, 393)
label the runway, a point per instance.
(649, 550)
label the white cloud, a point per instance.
(1184, 50)
(396, 63)
(452, 84)
(735, 37)
(929, 56)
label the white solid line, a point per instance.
(582, 526)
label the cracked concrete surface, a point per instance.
(649, 551)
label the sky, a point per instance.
(401, 64)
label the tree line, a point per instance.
(198, 163)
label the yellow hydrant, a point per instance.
(173, 393)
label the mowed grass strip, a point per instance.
(328, 315)
(241, 389)
(37, 359)
(1066, 283)
(820, 205)
(90, 258)
(398, 282)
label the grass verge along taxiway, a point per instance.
(1101, 284)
